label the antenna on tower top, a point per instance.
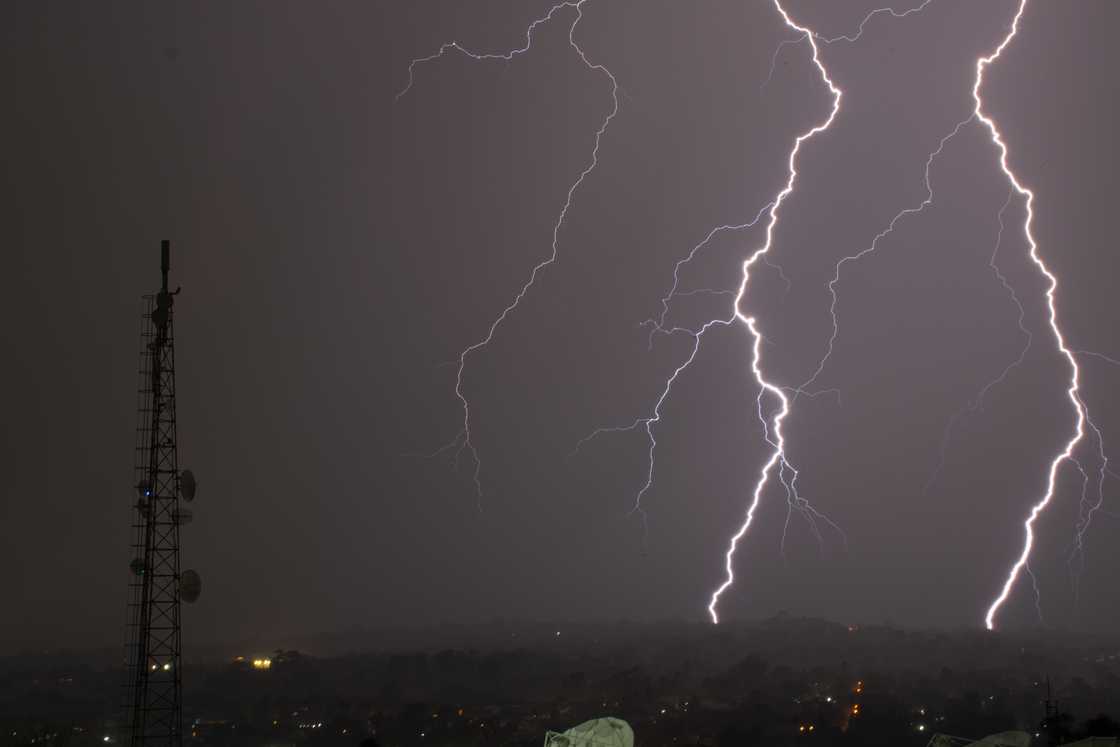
(165, 260)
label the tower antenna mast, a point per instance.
(153, 706)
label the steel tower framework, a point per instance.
(153, 710)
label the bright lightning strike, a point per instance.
(463, 440)
(777, 461)
(1073, 391)
(775, 436)
(1087, 507)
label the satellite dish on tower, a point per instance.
(188, 485)
(190, 586)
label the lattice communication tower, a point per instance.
(153, 705)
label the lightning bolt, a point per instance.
(1087, 507)
(463, 440)
(1081, 417)
(774, 435)
(778, 457)
(777, 461)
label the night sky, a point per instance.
(337, 248)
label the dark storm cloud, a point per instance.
(336, 247)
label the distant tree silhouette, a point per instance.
(1101, 726)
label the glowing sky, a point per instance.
(339, 248)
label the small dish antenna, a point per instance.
(190, 586)
(188, 485)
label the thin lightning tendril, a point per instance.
(878, 11)
(658, 325)
(1100, 356)
(477, 56)
(1086, 509)
(870, 248)
(1028, 338)
(463, 440)
(648, 423)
